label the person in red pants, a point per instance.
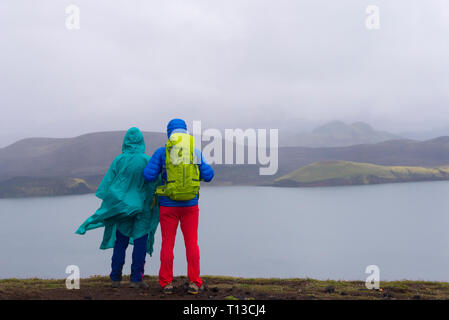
(173, 213)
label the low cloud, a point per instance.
(229, 63)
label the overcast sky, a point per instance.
(230, 63)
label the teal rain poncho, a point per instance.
(128, 204)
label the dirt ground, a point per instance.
(223, 288)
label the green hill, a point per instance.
(43, 187)
(339, 173)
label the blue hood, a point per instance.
(175, 124)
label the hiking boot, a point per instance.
(138, 285)
(115, 284)
(168, 289)
(194, 289)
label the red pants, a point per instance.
(170, 217)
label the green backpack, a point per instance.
(183, 176)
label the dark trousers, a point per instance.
(118, 257)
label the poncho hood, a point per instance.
(133, 141)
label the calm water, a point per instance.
(254, 232)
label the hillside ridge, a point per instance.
(340, 173)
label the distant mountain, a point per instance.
(338, 134)
(341, 173)
(88, 157)
(426, 135)
(84, 156)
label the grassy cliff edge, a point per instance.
(226, 288)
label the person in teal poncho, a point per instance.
(129, 211)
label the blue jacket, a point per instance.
(157, 166)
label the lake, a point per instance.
(322, 233)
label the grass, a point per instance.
(228, 288)
(362, 173)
